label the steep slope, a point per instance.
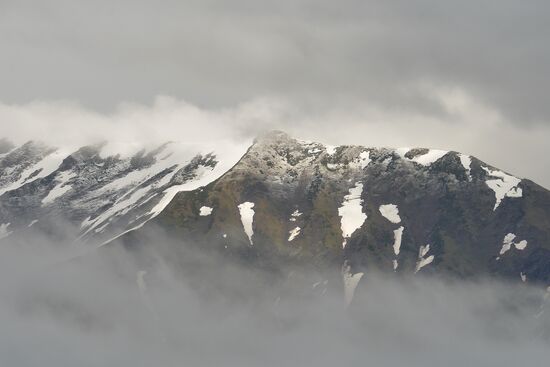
(86, 193)
(286, 206)
(405, 211)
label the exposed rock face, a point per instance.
(290, 204)
(82, 193)
(393, 210)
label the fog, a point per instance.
(142, 307)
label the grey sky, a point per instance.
(219, 53)
(319, 58)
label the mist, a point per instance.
(468, 126)
(143, 306)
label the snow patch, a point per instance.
(60, 189)
(402, 151)
(504, 186)
(523, 277)
(314, 151)
(397, 235)
(32, 223)
(334, 166)
(350, 282)
(293, 233)
(508, 243)
(432, 156)
(205, 211)
(4, 232)
(390, 212)
(295, 215)
(466, 162)
(351, 212)
(247, 218)
(362, 161)
(331, 149)
(422, 259)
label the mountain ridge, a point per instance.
(396, 211)
(287, 201)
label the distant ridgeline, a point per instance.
(284, 203)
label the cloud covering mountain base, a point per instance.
(107, 308)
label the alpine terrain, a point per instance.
(283, 205)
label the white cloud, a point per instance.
(463, 124)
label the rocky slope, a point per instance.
(400, 211)
(289, 207)
(94, 195)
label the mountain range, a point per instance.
(283, 205)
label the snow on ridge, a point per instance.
(402, 151)
(331, 149)
(293, 233)
(350, 282)
(504, 185)
(227, 155)
(4, 232)
(205, 211)
(351, 212)
(46, 166)
(247, 218)
(432, 156)
(362, 161)
(390, 212)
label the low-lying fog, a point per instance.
(105, 310)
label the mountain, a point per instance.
(286, 205)
(94, 195)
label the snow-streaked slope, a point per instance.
(106, 194)
(29, 163)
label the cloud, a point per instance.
(137, 309)
(468, 126)
(218, 55)
(470, 76)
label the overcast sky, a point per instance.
(466, 75)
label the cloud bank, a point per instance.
(116, 310)
(470, 127)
